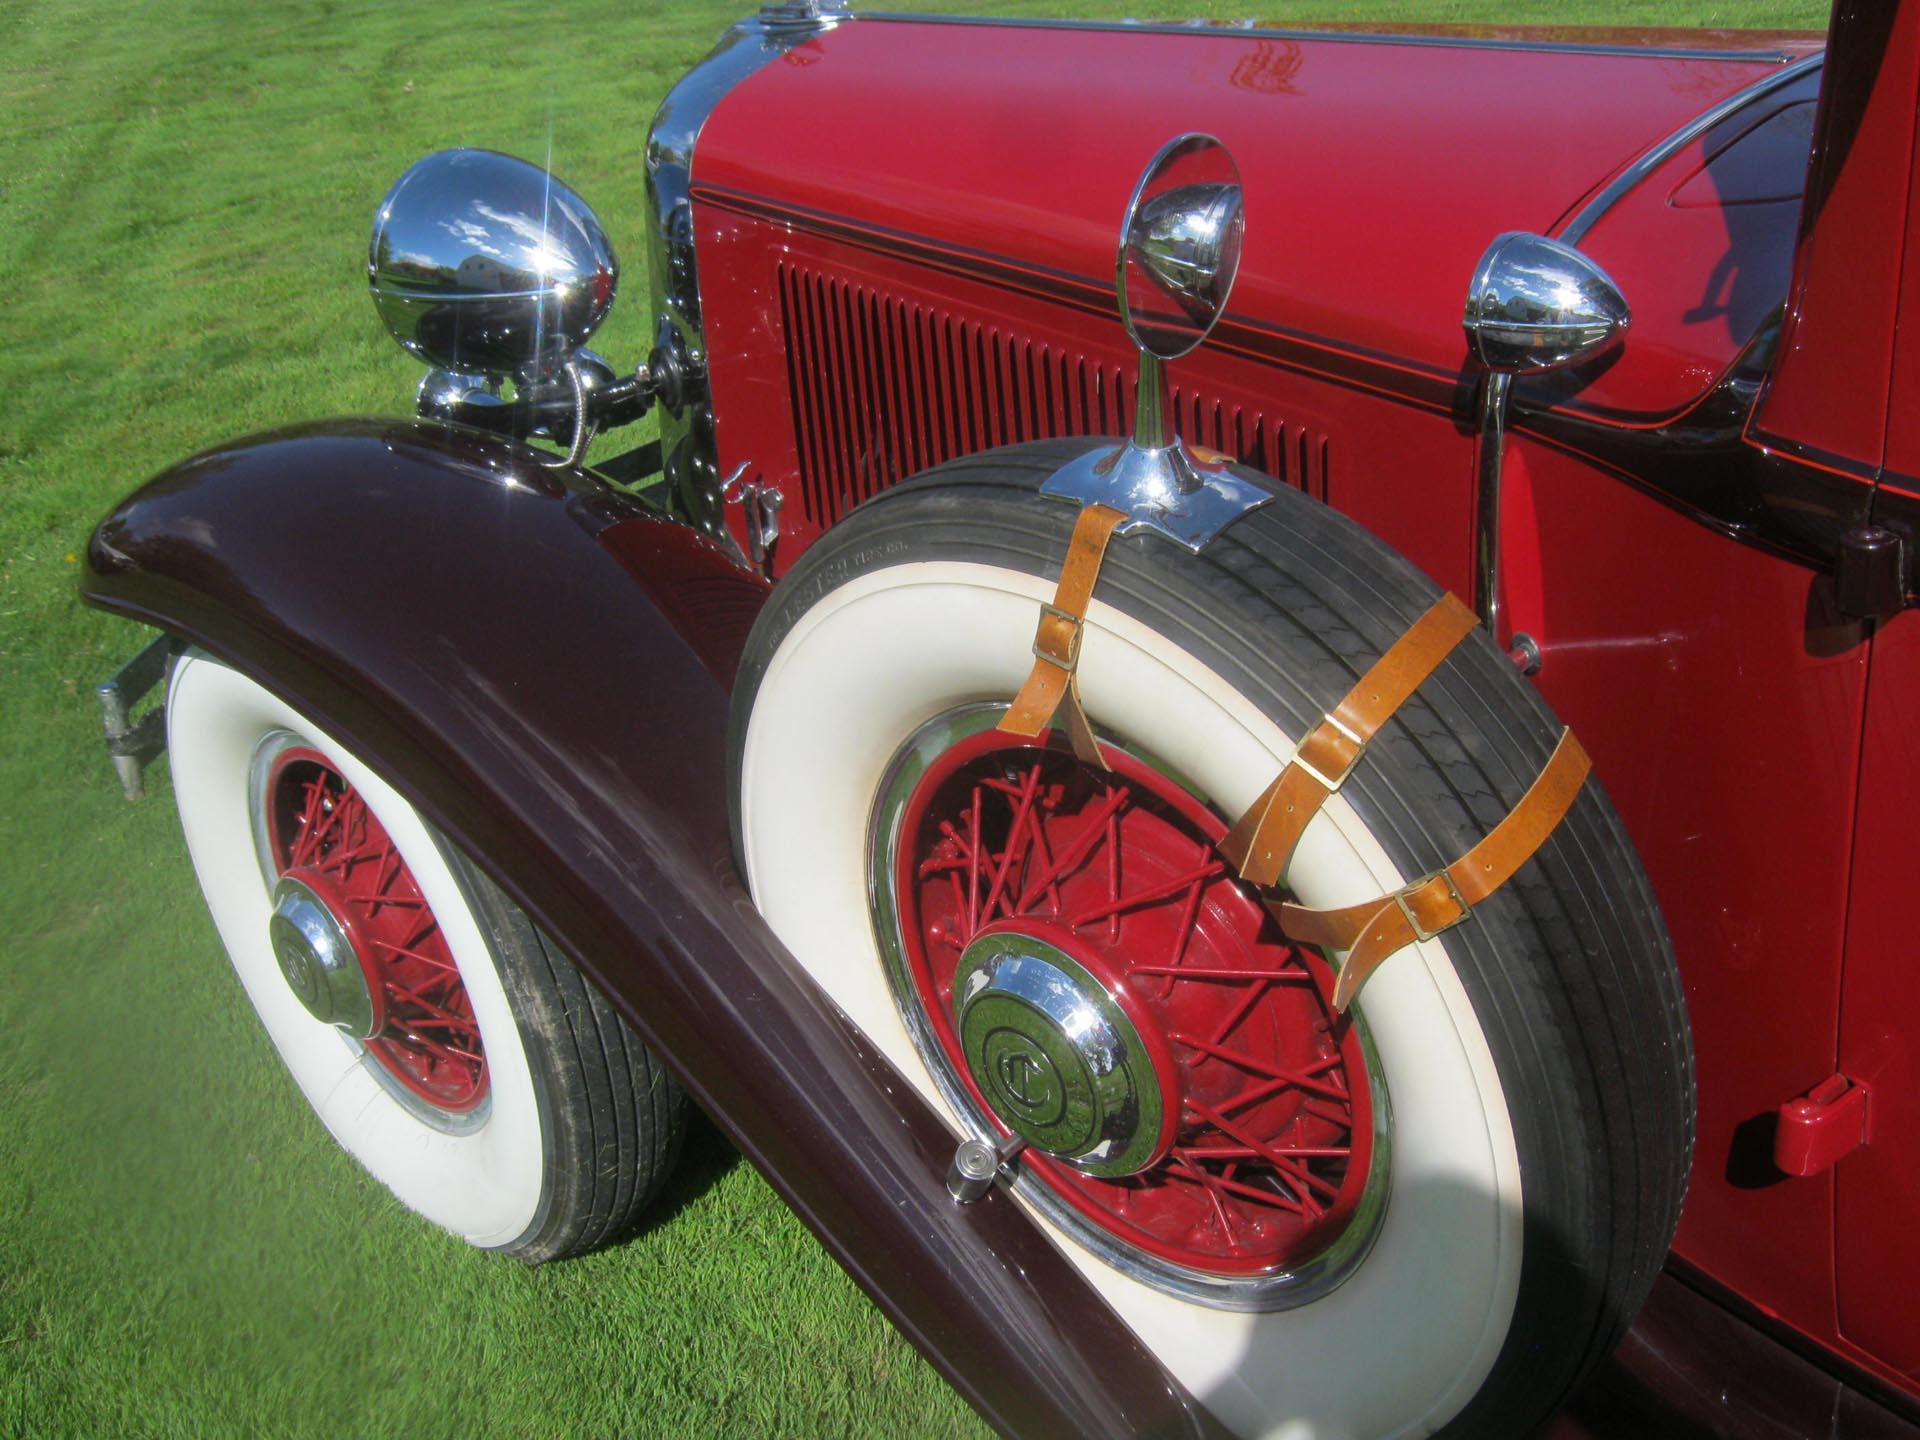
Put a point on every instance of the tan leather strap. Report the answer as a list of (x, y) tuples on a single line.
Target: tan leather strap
[(1371, 932), (1052, 686), (1262, 841)]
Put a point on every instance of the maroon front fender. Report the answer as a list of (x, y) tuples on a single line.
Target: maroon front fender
[(541, 664)]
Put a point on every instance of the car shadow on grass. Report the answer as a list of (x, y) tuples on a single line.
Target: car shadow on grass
[(706, 1158)]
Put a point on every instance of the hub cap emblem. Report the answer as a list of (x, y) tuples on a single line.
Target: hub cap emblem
[(1025, 1077), (1056, 1057)]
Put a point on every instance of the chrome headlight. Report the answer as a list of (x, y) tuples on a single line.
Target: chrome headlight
[(484, 264)]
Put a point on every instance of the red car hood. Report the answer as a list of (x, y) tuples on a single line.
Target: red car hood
[(1376, 169)]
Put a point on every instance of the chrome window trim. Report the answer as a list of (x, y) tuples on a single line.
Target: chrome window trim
[(1652, 159)]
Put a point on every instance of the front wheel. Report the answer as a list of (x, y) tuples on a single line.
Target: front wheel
[(438, 1034), (1437, 1212)]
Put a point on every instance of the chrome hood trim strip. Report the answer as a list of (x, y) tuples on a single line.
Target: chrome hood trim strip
[(1761, 55)]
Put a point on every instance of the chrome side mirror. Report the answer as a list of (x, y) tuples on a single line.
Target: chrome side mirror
[(484, 264), (1536, 304), (1180, 246), (1179, 254)]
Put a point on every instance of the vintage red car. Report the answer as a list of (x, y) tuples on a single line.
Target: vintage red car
[(1181, 960)]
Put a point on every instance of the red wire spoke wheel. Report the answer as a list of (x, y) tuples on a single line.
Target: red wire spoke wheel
[(1259, 1147), (443, 1040), (417, 1020)]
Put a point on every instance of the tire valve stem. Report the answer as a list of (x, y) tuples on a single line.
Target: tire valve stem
[(976, 1163)]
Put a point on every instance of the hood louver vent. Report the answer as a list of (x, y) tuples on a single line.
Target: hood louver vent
[(883, 388)]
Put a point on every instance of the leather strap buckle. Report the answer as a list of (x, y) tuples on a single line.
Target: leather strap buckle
[(1261, 843), (1076, 627), (1403, 897), (1051, 693), (1331, 783), (1371, 931)]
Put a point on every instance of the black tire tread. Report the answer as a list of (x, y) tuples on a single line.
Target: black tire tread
[(612, 1114)]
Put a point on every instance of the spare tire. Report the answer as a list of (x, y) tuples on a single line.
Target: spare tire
[(1435, 1214)]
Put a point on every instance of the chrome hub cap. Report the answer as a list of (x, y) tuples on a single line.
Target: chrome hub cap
[(1056, 1057), (319, 961)]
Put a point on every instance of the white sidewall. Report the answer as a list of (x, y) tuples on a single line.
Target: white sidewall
[(1409, 1338), (484, 1183)]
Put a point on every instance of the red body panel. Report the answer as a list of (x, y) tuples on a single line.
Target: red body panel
[(1828, 398), (1367, 166), (898, 367), (1727, 730), (941, 286), (1877, 1247)]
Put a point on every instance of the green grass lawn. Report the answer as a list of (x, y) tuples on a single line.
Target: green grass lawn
[(184, 199)]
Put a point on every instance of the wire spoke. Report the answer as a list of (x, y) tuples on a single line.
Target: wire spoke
[(1113, 880), (1021, 815), (413, 997), (1256, 992), (1266, 1089), (1045, 852), (1116, 903), (1182, 1169), (1183, 931), (975, 844), (1247, 1152), (417, 1042), (1339, 1113), (1212, 1183), (1302, 1178), (1214, 972), (1301, 1079), (1083, 845), (446, 965)]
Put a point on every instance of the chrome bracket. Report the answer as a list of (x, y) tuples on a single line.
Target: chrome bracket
[(760, 504), (134, 744), (1155, 479), (1489, 463), (1185, 496)]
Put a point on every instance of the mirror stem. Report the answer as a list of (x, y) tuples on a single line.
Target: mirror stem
[(1491, 448), (1153, 406)]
